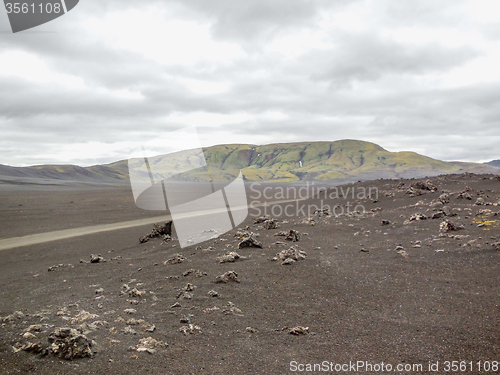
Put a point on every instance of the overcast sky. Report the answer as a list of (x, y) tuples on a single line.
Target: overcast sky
[(92, 85)]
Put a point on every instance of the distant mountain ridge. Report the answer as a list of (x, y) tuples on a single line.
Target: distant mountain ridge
[(495, 163), (62, 175), (339, 161)]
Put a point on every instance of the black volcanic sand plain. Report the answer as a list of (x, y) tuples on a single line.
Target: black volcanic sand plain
[(401, 292)]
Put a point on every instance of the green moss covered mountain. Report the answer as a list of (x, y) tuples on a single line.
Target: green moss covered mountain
[(344, 160), (324, 161)]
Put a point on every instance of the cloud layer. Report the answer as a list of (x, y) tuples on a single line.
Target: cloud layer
[(92, 85)]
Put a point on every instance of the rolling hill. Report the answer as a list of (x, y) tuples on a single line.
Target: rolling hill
[(495, 163), (338, 161)]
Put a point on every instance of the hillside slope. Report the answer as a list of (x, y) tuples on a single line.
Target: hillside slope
[(344, 160), (495, 163), (62, 175)]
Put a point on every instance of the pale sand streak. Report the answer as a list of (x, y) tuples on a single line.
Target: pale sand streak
[(33, 239)]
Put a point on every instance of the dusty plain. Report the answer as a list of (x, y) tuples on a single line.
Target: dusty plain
[(395, 292)]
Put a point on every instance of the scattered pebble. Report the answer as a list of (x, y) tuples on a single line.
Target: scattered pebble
[(299, 330), (226, 277), (189, 329)]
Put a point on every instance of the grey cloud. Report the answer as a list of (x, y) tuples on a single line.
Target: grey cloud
[(368, 57), (246, 21), (429, 13), (365, 87)]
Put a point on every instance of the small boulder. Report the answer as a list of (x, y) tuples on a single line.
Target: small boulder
[(68, 343), (149, 345), (292, 253), (270, 224), (291, 235), (444, 198), (448, 226), (96, 258), (249, 241), (176, 259), (299, 330), (464, 195), (226, 277), (213, 293), (261, 219), (190, 329), (438, 215), (417, 217), (229, 257), (479, 202)]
